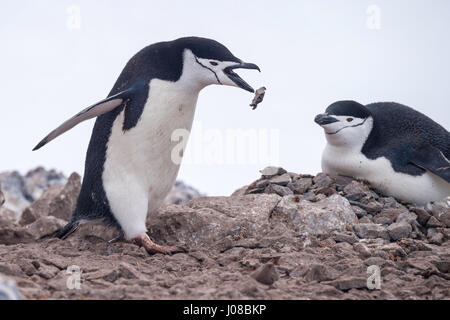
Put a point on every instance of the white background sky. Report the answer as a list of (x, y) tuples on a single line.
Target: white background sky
[(312, 53)]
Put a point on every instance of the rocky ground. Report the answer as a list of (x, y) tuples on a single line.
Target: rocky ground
[(285, 236)]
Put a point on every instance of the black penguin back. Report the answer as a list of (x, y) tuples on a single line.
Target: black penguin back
[(401, 128)]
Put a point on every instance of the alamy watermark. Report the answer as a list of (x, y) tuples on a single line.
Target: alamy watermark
[(73, 21), (74, 279), (373, 21), (226, 147), (374, 279)]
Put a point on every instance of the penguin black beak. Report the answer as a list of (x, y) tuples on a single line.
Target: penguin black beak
[(324, 119), (236, 78)]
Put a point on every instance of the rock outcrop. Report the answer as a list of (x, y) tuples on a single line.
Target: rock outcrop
[(284, 236)]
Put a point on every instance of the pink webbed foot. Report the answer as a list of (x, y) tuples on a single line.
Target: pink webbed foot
[(153, 248)]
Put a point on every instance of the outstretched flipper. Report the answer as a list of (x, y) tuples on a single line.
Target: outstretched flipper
[(432, 159), (95, 110)]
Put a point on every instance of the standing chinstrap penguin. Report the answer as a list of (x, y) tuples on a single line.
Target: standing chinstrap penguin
[(129, 169), (400, 151)]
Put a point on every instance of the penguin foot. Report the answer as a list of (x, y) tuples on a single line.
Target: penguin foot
[(153, 248)]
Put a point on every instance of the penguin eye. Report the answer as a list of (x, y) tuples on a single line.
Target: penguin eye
[(349, 119), (213, 63)]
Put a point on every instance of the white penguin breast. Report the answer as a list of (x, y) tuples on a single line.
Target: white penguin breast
[(138, 161), (380, 173)]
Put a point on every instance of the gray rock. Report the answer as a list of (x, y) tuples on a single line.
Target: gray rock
[(411, 245), (365, 219), (97, 230), (446, 233), (301, 186), (373, 207), (308, 218), (266, 274), (269, 172), (437, 238), (182, 193), (399, 230), (45, 226), (63, 205), (407, 217), (326, 191), (359, 211), (433, 222), (323, 180), (58, 201), (390, 202), (387, 216), (356, 191), (362, 249), (205, 221), (370, 231), (348, 237), (294, 176), (422, 215), (242, 191), (342, 181), (393, 249), (309, 196), (442, 265), (431, 232), (441, 211), (281, 180), (279, 190), (40, 207), (11, 233), (320, 272), (347, 283), (375, 261), (256, 191), (262, 183)]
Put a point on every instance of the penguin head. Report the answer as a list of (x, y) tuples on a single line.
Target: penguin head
[(207, 62), (346, 123)]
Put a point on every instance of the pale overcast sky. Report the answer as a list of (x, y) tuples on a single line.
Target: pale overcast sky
[(311, 53)]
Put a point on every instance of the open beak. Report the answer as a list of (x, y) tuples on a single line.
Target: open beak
[(324, 119), (236, 78)]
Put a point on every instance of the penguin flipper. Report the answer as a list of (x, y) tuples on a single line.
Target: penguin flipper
[(95, 110), (432, 159)]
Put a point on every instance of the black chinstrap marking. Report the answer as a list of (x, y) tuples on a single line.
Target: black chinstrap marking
[(356, 125), (217, 78)]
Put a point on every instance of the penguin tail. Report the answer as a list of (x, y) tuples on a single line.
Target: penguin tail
[(63, 233)]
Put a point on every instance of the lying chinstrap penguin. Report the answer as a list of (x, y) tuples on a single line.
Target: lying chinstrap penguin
[(129, 169), (400, 151)]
